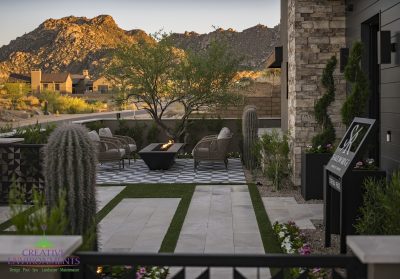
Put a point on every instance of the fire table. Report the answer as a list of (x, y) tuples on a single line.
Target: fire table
[(160, 156)]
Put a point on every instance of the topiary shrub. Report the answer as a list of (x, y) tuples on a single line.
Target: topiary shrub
[(250, 136), (356, 101), (327, 135), (70, 167)]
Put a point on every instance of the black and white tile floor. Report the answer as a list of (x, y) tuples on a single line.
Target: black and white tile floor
[(181, 172)]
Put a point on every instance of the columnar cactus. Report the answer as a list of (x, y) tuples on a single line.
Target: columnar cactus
[(250, 135), (70, 167)]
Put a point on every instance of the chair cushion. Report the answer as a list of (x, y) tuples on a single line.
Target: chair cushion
[(224, 133), (105, 132), (202, 150), (132, 147), (115, 151), (94, 136)]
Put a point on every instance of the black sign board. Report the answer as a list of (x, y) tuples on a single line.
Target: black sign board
[(349, 148)]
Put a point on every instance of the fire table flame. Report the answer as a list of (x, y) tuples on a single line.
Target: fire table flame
[(167, 145)]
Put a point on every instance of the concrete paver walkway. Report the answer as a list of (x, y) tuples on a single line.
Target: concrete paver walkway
[(284, 209), (137, 225), (105, 194), (221, 219)]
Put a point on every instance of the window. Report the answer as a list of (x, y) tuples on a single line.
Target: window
[(45, 86), (57, 87), (103, 88)]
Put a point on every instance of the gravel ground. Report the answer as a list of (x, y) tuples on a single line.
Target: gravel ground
[(314, 237)]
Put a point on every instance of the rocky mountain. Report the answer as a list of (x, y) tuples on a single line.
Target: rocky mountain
[(67, 44), (76, 43), (253, 44)]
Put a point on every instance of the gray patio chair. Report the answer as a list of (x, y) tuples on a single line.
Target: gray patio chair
[(213, 148), (108, 150), (127, 143)]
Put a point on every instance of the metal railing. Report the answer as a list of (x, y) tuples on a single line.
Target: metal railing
[(21, 164), (349, 266)]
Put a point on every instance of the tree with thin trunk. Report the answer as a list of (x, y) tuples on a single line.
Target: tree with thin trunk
[(157, 74)]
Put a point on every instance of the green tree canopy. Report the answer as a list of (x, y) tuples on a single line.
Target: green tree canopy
[(159, 75)]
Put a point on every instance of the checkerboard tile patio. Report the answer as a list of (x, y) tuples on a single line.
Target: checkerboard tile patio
[(181, 172)]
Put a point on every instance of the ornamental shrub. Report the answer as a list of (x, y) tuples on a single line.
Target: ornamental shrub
[(275, 156), (327, 135), (356, 101), (380, 213)]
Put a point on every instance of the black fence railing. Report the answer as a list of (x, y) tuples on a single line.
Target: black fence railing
[(338, 266), (21, 164)]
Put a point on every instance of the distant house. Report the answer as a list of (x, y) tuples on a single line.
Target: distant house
[(81, 84), (57, 82), (102, 85), (64, 83)]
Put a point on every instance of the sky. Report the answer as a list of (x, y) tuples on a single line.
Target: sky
[(22, 16)]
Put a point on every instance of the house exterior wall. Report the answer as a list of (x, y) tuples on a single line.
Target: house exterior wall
[(99, 82), (389, 84), (36, 77), (65, 87), (316, 31)]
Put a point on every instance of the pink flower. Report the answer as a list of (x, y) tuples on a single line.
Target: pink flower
[(305, 249), (359, 164), (138, 275), (329, 146), (316, 270), (142, 270)]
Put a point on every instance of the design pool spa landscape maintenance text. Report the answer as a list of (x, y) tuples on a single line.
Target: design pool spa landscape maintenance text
[(43, 258)]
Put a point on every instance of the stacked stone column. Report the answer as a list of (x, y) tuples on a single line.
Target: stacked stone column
[(316, 31)]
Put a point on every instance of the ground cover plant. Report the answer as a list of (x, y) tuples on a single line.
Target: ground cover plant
[(380, 213), (292, 241)]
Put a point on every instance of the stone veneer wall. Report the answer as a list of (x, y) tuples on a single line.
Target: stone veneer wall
[(316, 31)]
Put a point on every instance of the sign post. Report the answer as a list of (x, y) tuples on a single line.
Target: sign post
[(342, 185)]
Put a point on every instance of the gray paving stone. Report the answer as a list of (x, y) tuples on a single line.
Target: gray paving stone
[(221, 219), (105, 194), (285, 209), (137, 225), (5, 212)]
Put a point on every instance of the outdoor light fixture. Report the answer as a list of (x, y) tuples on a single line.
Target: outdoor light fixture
[(344, 56), (389, 136), (384, 47), (396, 48)]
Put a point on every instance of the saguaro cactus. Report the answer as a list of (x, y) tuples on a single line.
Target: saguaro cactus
[(250, 134), (70, 167)]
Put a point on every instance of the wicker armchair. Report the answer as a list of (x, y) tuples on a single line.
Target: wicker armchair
[(213, 148), (126, 142), (108, 150)]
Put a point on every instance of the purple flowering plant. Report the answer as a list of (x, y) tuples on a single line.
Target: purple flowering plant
[(367, 164), (141, 272), (327, 148), (293, 241)]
